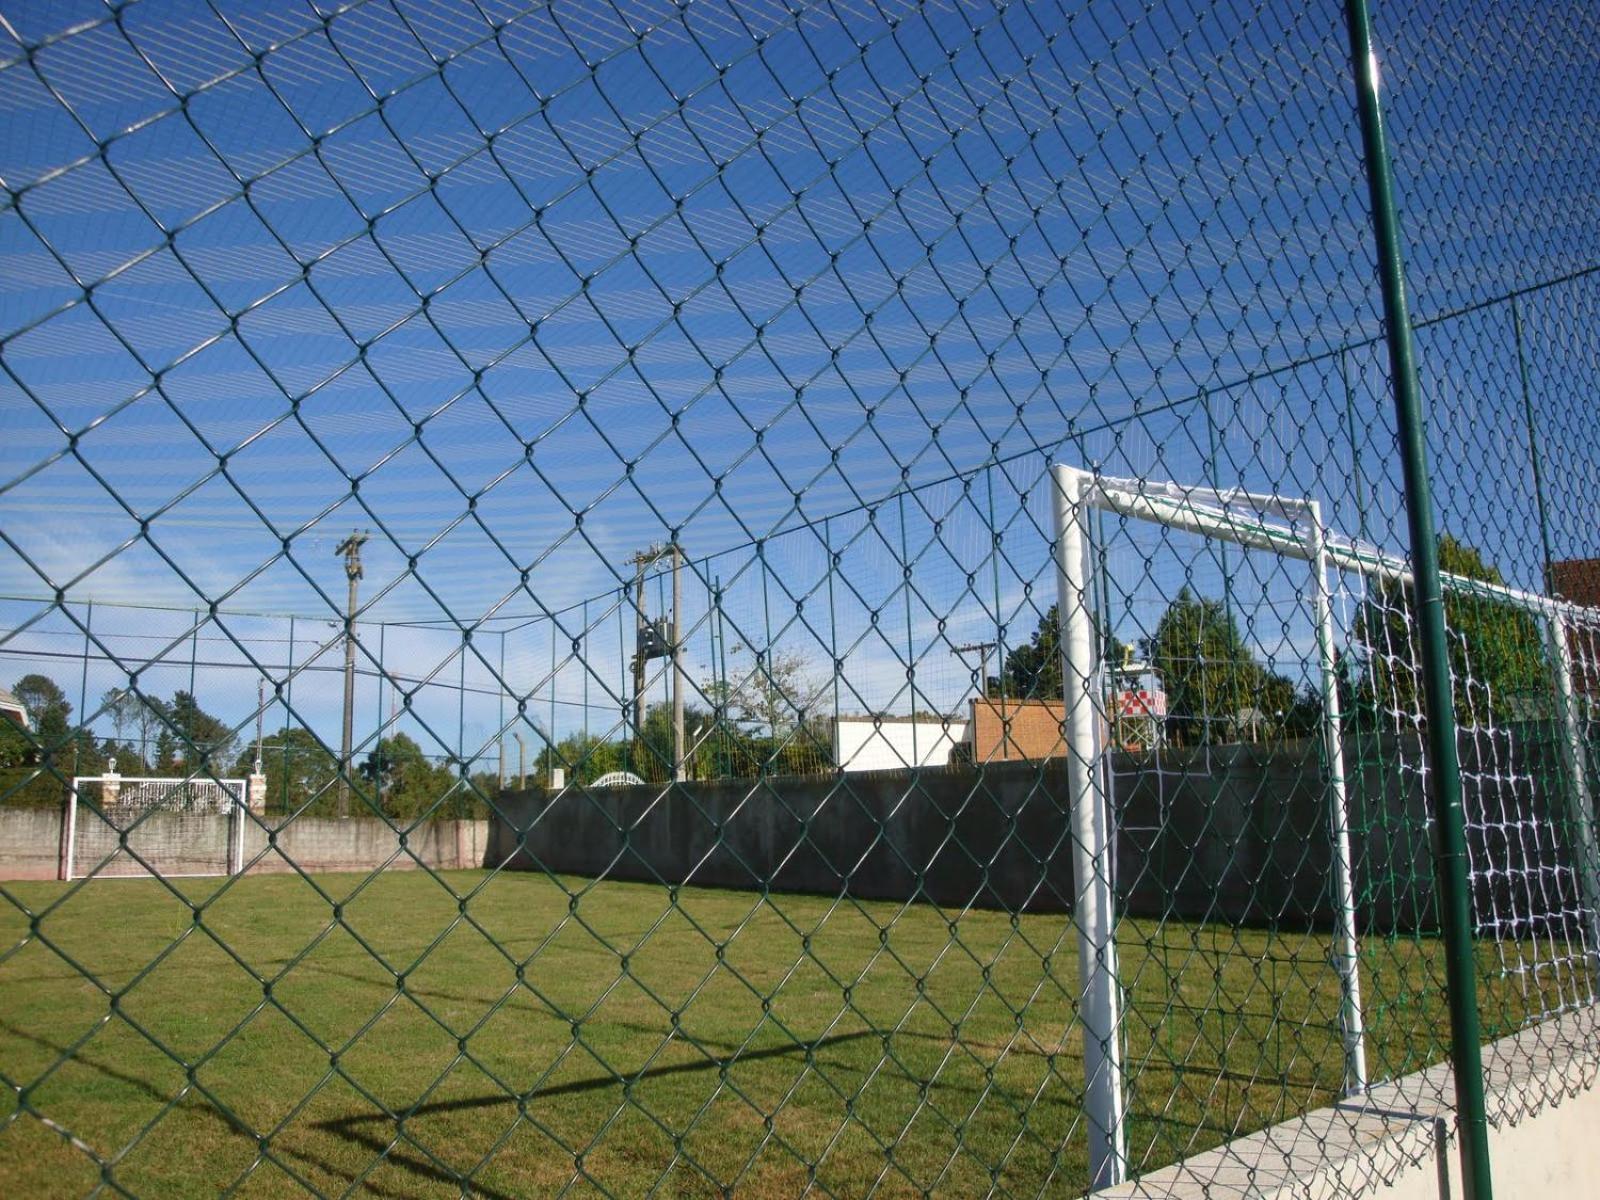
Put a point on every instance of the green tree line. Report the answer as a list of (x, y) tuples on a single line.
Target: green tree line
[(1218, 692)]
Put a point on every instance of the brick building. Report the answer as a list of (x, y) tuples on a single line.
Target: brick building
[(1577, 580), (1016, 730)]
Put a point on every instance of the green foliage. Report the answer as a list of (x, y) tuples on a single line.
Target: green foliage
[(37, 764), (47, 705), (300, 772), (717, 750), (1032, 670), (192, 737), (1206, 669), (1216, 690), (403, 783), (1497, 658), (582, 757)]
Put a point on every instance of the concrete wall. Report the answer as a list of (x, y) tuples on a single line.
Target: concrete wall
[(1399, 1142), (1253, 850), (1237, 834), (894, 743), (30, 843), (197, 843)]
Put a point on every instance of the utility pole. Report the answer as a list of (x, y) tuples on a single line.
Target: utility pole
[(261, 708), (641, 623), (659, 639), (981, 649), (350, 551), (679, 759), (522, 761)]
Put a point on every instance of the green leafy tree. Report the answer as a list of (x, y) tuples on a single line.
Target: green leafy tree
[(300, 771), (48, 708), (653, 752), (1207, 672), (1032, 669), (583, 758), (1497, 659), (190, 736), (405, 784), (36, 763)]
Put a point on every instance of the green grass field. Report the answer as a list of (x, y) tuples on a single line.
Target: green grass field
[(511, 1035)]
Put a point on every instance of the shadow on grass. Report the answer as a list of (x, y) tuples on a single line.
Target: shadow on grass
[(356, 1129), (376, 1132)]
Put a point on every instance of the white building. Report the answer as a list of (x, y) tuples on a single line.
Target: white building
[(865, 743), (11, 708)]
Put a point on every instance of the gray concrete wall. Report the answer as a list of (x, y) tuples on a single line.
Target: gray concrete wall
[(363, 843), (30, 843), (1399, 1142), (1235, 833), (197, 843)]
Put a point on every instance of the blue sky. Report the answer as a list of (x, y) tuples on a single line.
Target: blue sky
[(524, 288)]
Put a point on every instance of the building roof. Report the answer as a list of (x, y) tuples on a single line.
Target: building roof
[(11, 707)]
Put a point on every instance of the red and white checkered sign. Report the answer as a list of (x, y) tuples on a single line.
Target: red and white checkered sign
[(1141, 702)]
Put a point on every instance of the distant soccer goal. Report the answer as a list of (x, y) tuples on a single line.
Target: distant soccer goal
[(124, 825), (1270, 635)]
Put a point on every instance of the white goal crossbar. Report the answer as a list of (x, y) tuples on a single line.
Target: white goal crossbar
[(124, 804), (1293, 529)]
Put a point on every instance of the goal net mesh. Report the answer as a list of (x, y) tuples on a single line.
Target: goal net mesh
[(166, 826), (1523, 689), (1223, 711)]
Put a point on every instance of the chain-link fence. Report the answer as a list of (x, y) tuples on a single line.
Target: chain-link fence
[(851, 598)]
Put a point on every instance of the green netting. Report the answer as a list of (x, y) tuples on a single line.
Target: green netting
[(669, 598)]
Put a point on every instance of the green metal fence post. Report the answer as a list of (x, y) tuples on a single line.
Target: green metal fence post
[(1450, 854), (1533, 447)]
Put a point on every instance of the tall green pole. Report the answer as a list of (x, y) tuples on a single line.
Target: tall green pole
[(1533, 446), (995, 537), (1355, 446), (1450, 855)]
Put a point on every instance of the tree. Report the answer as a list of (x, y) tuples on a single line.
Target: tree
[(1497, 658), (136, 715), (300, 771), (1206, 670), (1032, 670), (583, 758), (40, 761), (193, 737), (405, 784), (47, 706), (776, 693), (653, 757)]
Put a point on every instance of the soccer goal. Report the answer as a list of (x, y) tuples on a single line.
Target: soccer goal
[(124, 825), (1310, 641)]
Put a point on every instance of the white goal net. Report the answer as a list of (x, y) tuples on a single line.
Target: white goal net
[(1243, 692), (121, 825)]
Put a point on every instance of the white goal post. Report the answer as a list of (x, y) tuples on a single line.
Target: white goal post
[(1293, 529), (118, 826)]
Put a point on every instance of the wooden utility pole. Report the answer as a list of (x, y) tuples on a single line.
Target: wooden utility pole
[(679, 765), (658, 641), (981, 649), (350, 551), (640, 561)]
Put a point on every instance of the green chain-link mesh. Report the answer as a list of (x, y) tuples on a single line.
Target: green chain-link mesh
[(708, 598)]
